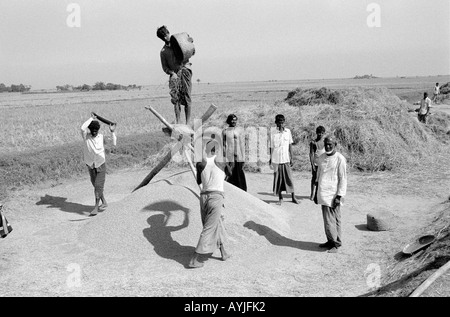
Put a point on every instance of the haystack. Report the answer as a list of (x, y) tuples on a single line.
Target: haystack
[(373, 127), (163, 219)]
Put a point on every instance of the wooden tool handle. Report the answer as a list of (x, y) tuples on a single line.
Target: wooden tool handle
[(105, 121), (164, 121), (166, 159)]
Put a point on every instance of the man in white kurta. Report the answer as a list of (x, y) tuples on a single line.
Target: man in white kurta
[(331, 188), (94, 158)]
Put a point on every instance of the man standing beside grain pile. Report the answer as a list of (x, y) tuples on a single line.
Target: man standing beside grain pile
[(211, 174), (94, 158), (178, 67), (281, 159), (331, 185)]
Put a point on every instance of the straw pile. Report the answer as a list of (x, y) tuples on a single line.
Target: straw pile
[(373, 127), (164, 218)]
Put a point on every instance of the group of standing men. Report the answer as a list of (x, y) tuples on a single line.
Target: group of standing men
[(329, 178), (328, 183)]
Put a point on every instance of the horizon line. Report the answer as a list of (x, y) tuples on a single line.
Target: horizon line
[(251, 81)]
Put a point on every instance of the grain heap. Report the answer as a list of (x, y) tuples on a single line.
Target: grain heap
[(164, 218)]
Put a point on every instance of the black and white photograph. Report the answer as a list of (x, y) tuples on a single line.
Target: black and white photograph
[(225, 154)]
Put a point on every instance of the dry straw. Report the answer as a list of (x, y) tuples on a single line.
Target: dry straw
[(374, 129)]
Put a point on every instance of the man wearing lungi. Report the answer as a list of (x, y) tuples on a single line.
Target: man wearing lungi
[(281, 159), (234, 152), (331, 188), (94, 158), (180, 81), (211, 174)]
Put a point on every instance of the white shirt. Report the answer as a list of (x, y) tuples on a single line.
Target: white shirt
[(93, 149), (279, 142), (331, 178), (424, 106), (436, 90)]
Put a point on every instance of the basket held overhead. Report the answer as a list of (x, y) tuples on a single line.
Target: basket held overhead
[(183, 46)]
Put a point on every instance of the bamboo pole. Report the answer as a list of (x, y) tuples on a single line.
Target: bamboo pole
[(166, 159), (430, 280)]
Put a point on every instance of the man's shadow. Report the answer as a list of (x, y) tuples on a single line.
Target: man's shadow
[(62, 204), (286, 197), (160, 235), (276, 239), (362, 227)]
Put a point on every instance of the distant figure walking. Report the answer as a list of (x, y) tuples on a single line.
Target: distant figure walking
[(211, 174), (281, 159), (94, 158), (331, 188), (234, 152), (180, 80), (436, 93), (424, 108), (316, 148)]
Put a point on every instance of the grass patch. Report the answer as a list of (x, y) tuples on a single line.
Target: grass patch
[(66, 161)]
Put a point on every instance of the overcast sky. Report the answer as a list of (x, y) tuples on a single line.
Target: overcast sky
[(235, 40)]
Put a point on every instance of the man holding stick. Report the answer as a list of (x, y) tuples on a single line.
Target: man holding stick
[(94, 158), (211, 174)]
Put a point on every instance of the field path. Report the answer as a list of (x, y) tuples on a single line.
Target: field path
[(45, 255)]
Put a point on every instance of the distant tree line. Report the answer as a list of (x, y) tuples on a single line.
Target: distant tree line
[(14, 88), (97, 86), (364, 77)]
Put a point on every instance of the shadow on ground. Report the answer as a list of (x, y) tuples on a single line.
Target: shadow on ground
[(159, 234), (286, 198), (276, 239), (62, 204), (362, 227)]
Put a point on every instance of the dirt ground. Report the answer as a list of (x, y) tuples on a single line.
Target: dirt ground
[(45, 255)]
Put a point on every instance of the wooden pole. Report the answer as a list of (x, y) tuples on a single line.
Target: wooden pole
[(166, 159), (105, 121), (187, 152), (164, 121), (430, 280)]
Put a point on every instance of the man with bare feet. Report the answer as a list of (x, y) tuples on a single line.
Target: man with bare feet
[(94, 158), (331, 185), (211, 175), (281, 159), (316, 149)]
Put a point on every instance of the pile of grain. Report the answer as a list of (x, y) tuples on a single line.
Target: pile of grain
[(164, 218)]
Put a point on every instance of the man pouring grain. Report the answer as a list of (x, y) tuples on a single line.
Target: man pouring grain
[(94, 158), (331, 185), (178, 67)]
